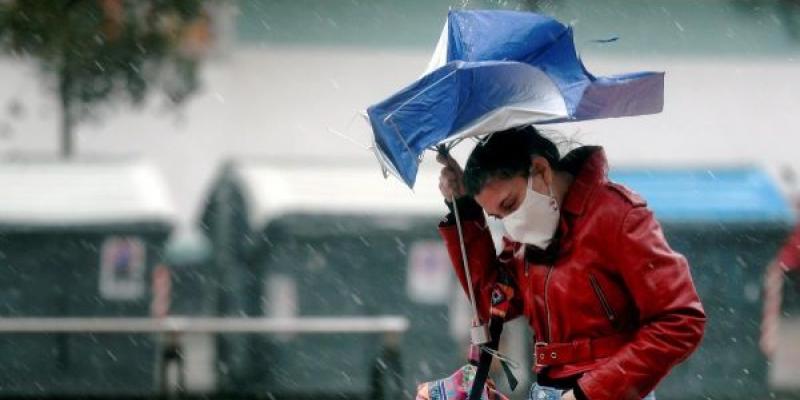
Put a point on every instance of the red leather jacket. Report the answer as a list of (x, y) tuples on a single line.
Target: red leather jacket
[(789, 255), (616, 309)]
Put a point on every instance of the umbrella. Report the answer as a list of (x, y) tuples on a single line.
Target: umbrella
[(495, 70)]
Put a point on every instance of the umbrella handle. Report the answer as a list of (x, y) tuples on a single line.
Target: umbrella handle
[(479, 333)]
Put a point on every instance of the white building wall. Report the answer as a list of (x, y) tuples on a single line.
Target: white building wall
[(280, 102)]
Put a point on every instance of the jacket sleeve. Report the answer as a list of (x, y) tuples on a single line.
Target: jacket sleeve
[(789, 255), (671, 318), (484, 264)]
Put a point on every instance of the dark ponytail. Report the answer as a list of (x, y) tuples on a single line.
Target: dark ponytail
[(507, 154)]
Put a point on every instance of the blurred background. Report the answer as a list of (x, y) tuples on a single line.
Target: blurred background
[(206, 163)]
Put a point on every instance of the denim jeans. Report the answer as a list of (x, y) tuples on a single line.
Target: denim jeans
[(548, 393)]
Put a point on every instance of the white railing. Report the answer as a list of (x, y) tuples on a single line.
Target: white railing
[(308, 325)]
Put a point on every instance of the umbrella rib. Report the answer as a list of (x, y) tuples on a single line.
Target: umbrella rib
[(348, 138), (400, 135), (449, 145), (421, 92), (454, 143)]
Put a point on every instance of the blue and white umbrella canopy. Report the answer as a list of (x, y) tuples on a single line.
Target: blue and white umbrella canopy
[(495, 70)]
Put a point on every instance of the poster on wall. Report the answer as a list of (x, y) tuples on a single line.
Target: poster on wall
[(430, 277), (122, 268)]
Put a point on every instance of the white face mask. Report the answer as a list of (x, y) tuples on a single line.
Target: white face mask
[(535, 221)]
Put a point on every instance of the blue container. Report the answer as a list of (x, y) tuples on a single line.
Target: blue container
[(729, 223)]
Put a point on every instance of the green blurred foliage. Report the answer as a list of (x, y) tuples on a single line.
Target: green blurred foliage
[(100, 50)]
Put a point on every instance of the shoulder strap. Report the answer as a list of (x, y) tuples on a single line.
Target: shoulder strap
[(502, 294), (485, 359)]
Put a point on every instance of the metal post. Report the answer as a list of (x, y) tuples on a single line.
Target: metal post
[(386, 376), (172, 354)]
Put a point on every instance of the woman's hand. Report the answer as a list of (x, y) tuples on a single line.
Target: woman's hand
[(451, 179), (568, 396)]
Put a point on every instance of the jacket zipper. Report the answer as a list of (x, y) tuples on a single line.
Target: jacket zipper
[(546, 306), (598, 291)]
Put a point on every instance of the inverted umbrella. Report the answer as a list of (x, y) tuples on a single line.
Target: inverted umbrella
[(495, 70), (491, 71)]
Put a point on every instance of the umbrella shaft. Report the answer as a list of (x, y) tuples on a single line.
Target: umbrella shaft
[(464, 261)]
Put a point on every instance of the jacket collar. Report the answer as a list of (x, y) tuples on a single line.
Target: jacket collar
[(589, 166)]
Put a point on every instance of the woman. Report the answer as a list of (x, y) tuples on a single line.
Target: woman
[(613, 308)]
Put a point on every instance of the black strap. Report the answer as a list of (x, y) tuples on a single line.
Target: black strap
[(512, 380), (485, 359)]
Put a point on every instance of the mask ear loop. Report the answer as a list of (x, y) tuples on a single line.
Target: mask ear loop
[(553, 201), (530, 179)]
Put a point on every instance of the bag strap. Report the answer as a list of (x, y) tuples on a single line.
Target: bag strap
[(502, 293), (485, 359)]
